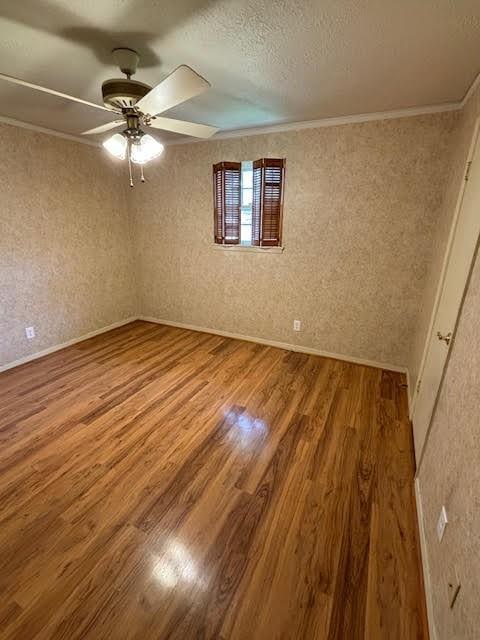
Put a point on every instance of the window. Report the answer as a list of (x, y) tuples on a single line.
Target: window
[(248, 202)]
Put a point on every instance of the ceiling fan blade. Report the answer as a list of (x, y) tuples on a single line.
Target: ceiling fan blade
[(180, 126), (104, 127), (182, 84), (52, 92)]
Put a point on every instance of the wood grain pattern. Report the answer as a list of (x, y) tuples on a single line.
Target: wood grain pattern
[(161, 483)]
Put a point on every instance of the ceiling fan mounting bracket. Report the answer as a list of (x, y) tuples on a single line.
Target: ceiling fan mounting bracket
[(127, 59)]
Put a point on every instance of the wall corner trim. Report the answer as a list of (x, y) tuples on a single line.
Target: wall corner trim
[(279, 345), (63, 345), (424, 555)]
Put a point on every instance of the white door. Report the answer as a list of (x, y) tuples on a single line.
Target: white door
[(460, 254)]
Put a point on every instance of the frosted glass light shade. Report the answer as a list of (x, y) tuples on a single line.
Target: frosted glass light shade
[(116, 145), (146, 149)]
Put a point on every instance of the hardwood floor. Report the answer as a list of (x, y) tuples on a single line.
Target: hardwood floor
[(160, 483)]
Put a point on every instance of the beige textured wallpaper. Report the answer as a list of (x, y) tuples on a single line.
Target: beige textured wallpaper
[(361, 206), (450, 475), (66, 259), (450, 470)]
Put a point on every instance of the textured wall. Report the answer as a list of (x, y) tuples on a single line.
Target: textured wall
[(65, 242), (450, 475), (450, 469), (361, 205)]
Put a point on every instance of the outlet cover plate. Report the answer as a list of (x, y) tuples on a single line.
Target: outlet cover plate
[(297, 325), (30, 332)]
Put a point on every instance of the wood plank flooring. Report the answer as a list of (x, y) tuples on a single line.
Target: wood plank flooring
[(160, 483)]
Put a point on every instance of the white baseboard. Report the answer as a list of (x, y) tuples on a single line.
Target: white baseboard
[(426, 571), (219, 332), (69, 343), (279, 345)]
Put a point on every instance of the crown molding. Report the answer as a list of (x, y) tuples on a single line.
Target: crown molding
[(327, 122), (51, 132), (274, 128), (473, 87)]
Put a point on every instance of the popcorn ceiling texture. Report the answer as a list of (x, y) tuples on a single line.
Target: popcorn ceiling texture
[(268, 61), (66, 260), (450, 469), (361, 205)]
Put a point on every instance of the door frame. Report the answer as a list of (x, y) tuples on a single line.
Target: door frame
[(475, 139)]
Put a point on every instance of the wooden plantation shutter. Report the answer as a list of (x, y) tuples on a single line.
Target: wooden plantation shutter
[(267, 205), (226, 202)]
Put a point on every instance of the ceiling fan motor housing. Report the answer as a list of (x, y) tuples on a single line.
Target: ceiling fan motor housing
[(122, 93)]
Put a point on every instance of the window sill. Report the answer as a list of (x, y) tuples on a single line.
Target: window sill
[(247, 248)]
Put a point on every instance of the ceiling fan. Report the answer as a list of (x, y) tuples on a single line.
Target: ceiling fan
[(139, 105)]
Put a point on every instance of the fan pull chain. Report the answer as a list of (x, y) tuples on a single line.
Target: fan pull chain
[(142, 177), (129, 163)]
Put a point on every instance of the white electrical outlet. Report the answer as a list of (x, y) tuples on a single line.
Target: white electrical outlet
[(30, 332), (441, 523), (297, 325)]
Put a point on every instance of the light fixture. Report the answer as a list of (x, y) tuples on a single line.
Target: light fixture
[(116, 145), (146, 149), (135, 145)]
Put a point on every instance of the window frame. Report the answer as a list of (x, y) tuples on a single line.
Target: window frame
[(233, 213), (247, 166)]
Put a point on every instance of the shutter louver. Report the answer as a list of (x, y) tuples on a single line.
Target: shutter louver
[(226, 202), (267, 207), (218, 203)]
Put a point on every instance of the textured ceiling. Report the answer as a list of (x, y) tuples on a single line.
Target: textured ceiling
[(268, 61)]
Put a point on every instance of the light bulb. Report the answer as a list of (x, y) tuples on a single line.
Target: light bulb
[(116, 145), (146, 149)]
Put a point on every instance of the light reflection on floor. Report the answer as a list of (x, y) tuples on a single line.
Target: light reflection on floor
[(175, 566), (246, 430)]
